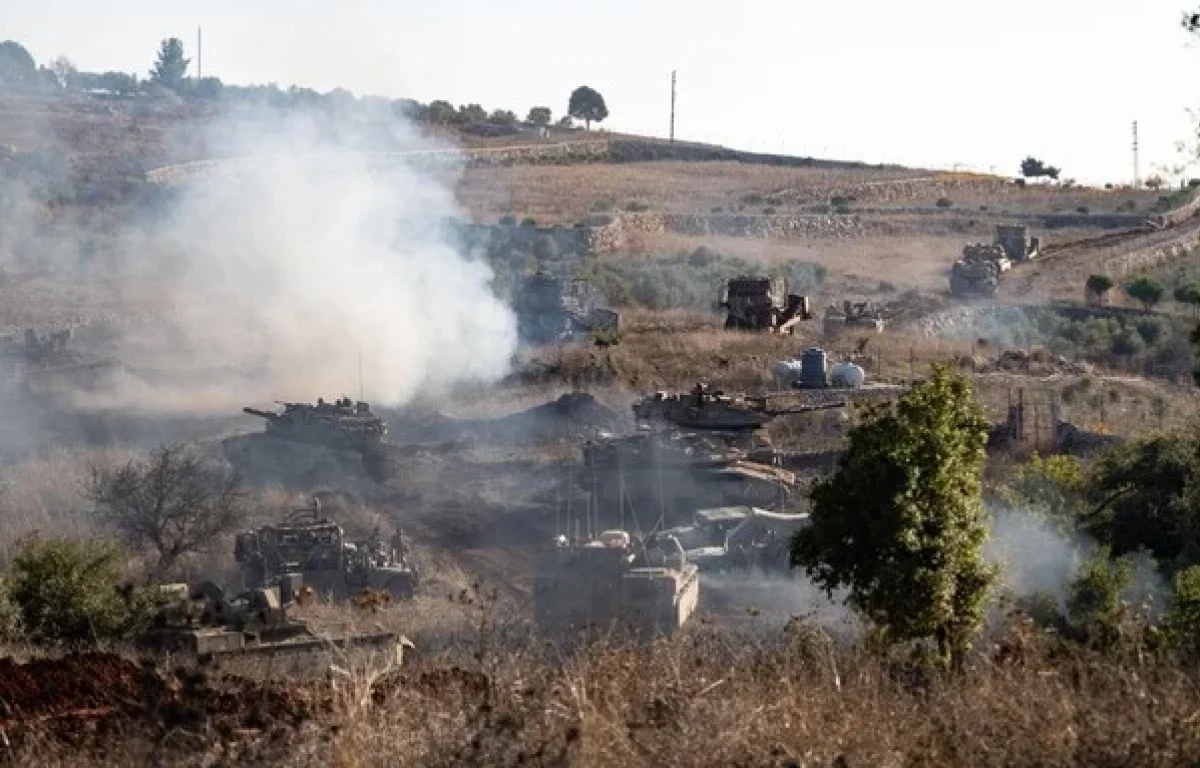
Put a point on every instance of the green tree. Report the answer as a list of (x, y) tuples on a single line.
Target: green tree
[(472, 113), (587, 104), (502, 117), (1053, 487), (901, 523), (1097, 287), (1188, 292), (1146, 290), (1032, 168), (170, 67), (67, 591), (440, 112), (1095, 612), (1146, 495), (539, 116), (17, 67), (1182, 621)]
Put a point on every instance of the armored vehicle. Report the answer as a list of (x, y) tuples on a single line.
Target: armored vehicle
[(759, 539), (316, 550), (704, 410), (651, 475), (611, 583), (551, 310), (322, 443), (46, 364), (978, 272), (1017, 244), (762, 303), (852, 316), (204, 623)]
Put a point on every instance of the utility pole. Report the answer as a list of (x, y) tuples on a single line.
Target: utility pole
[(199, 56), (1136, 169), (672, 106)]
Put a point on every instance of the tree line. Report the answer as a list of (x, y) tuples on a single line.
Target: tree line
[(169, 75)]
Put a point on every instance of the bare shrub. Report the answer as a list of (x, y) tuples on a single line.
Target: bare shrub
[(172, 504)]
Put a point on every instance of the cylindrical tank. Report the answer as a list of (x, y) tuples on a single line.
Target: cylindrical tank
[(847, 375), (812, 368), (786, 372)]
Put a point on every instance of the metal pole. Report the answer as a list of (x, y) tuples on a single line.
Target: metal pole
[(672, 106), (199, 55), (1136, 169)]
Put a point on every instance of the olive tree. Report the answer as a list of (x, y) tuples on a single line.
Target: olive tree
[(1097, 287), (901, 524)]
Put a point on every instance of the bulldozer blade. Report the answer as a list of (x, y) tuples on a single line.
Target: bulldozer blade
[(375, 640)]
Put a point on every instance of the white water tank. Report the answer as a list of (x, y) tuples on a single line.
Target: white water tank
[(847, 375)]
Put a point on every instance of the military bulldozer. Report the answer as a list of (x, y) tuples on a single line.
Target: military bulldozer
[(1017, 244), (978, 272), (613, 584), (202, 622), (323, 442), (861, 316), (741, 538), (315, 550), (553, 310), (762, 304)]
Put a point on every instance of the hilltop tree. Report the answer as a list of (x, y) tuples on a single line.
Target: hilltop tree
[(170, 67), (440, 112), (17, 67), (587, 105), (1032, 168), (1097, 287), (539, 116), (901, 522), (502, 117), (1146, 290), (472, 113)]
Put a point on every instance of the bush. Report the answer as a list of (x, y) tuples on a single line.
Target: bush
[(1082, 209), (10, 617), (1182, 622), (66, 591), (508, 220), (1127, 342), (528, 221), (944, 202), (636, 206), (768, 211), (752, 198), (1152, 330)]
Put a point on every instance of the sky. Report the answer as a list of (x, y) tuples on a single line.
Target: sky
[(930, 83)]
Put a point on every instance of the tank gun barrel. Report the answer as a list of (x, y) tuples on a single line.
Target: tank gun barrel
[(263, 414), (807, 408)]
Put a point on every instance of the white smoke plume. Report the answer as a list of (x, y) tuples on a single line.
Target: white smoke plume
[(288, 280)]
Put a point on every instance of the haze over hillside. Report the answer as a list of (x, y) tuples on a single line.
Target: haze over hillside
[(927, 84)]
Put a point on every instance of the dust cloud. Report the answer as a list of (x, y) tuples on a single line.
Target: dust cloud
[(310, 271)]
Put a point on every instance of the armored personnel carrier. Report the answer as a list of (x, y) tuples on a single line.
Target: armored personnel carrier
[(758, 303), (704, 410), (550, 309), (316, 550), (322, 443), (610, 583), (978, 272)]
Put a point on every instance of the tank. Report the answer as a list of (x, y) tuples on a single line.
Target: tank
[(320, 443), (978, 272), (847, 375), (812, 369), (704, 410)]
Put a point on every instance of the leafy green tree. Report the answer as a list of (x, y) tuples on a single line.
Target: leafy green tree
[(502, 117), (17, 67), (472, 113), (170, 67), (901, 523), (1182, 621), (68, 591), (1188, 292), (1031, 168), (1146, 290), (440, 112), (1053, 487), (539, 116), (587, 104), (1146, 495), (1097, 287), (1095, 612)]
